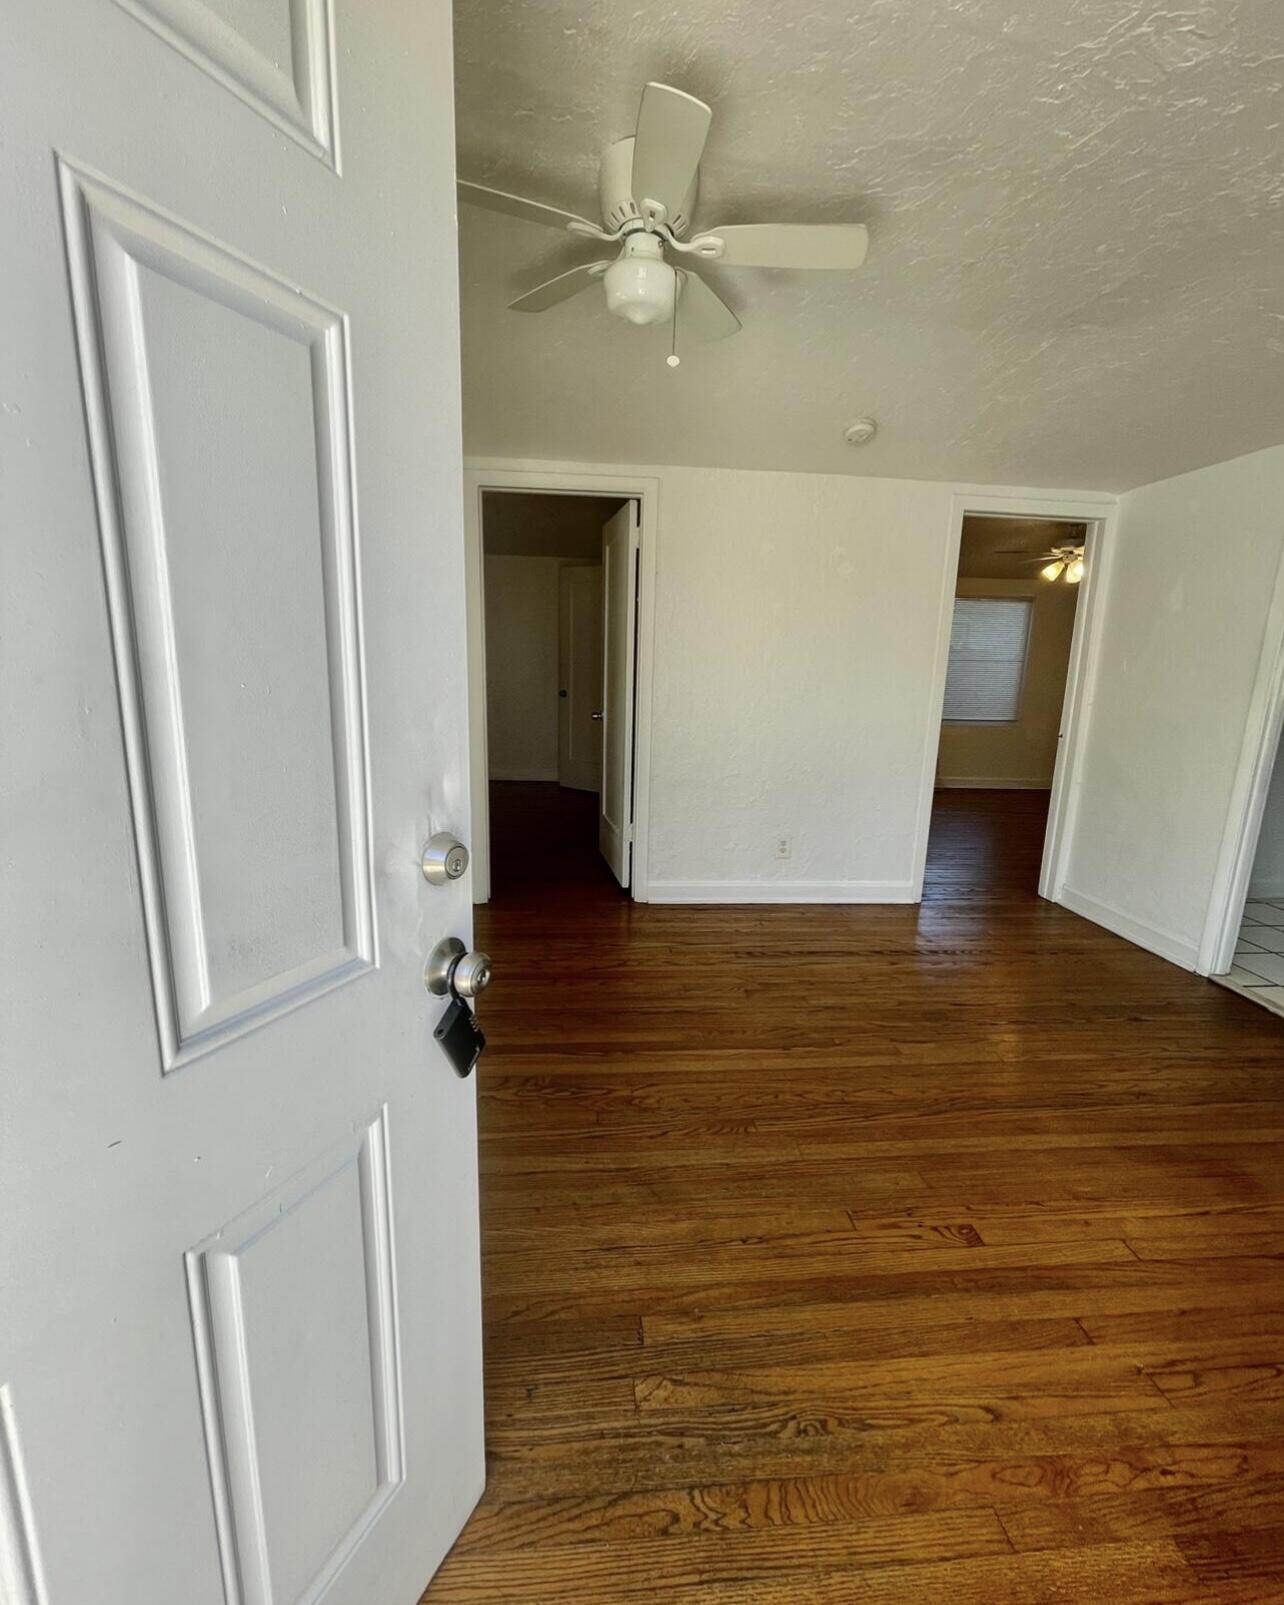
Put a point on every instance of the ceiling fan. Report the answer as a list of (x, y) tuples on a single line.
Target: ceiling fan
[(648, 185), (1060, 562)]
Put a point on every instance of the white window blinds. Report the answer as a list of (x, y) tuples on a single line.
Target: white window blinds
[(987, 659)]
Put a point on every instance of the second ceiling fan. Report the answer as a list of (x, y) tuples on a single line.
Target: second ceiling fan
[(648, 185)]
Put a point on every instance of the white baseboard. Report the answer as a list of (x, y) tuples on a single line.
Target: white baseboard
[(980, 783), (1173, 948), (781, 892)]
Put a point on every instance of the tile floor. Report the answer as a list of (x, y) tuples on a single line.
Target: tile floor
[(1258, 970)]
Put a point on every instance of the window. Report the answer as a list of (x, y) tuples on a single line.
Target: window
[(987, 659)]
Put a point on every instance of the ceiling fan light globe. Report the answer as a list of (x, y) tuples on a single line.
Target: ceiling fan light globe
[(1052, 571), (1074, 571), (641, 289)]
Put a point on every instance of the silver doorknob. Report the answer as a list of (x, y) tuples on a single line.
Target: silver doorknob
[(597, 716), (452, 969), (444, 859)]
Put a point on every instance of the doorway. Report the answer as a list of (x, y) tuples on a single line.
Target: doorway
[(1257, 963), (1012, 631), (556, 576), (1240, 925), (1250, 959)]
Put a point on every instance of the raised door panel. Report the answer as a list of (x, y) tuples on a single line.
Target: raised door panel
[(21, 1574), (217, 400), (275, 55), (294, 1312)]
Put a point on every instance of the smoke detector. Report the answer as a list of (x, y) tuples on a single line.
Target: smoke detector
[(861, 432)]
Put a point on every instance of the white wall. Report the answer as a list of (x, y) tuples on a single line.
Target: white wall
[(796, 628), (1024, 751), (521, 666), (796, 631), (1183, 636), (1268, 864)]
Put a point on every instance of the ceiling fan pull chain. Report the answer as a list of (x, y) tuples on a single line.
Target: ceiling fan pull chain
[(673, 359)]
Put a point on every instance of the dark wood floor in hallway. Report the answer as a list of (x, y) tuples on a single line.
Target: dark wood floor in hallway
[(879, 1255)]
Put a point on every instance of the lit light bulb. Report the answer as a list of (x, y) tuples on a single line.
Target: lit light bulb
[(1053, 570), (1074, 571)]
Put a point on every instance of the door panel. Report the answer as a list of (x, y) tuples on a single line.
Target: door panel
[(276, 55), (218, 435), (21, 1573), (241, 1357), (619, 567), (579, 727), (297, 1351)]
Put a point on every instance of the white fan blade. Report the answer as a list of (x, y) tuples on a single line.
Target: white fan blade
[(561, 288), (671, 131), (496, 200), (792, 245), (702, 313)]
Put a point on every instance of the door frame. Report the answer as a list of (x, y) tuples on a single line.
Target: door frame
[(1098, 513), (1252, 783), (646, 491)]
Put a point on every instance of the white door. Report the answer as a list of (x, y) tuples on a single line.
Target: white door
[(579, 653), (239, 1354), (619, 565)]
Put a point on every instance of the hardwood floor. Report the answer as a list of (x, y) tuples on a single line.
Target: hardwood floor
[(886, 1255)]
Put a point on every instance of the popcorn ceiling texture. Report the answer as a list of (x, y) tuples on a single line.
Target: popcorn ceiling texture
[(1077, 206)]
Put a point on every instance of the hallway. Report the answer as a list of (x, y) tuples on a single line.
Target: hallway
[(887, 1254)]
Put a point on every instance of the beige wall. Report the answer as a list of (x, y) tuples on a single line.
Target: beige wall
[(1024, 752), (521, 667)]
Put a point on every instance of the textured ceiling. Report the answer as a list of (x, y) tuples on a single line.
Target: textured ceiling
[(1077, 269), (1012, 548)]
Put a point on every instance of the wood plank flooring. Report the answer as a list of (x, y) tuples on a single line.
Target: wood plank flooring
[(878, 1255)]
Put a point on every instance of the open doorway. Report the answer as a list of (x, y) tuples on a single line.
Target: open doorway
[(1242, 945), (558, 577), (1012, 633), (1256, 966)]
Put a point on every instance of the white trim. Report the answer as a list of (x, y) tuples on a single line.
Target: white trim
[(782, 892), (1173, 948), (1252, 782), (22, 1573), (1076, 709), (991, 783), (1098, 513), (479, 476)]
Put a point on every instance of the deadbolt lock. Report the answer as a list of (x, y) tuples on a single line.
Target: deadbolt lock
[(444, 859)]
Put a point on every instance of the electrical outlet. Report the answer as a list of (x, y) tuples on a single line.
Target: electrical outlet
[(784, 847)]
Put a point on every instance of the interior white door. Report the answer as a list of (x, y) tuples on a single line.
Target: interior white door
[(579, 652), (239, 1358), (619, 569)]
